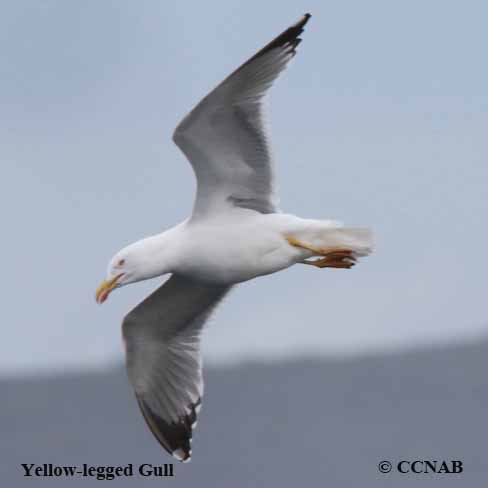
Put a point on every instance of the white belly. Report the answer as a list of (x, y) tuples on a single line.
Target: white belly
[(242, 245), (235, 250)]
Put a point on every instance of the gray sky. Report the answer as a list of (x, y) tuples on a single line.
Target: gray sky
[(381, 121)]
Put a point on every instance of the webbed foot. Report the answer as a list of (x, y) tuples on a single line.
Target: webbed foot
[(332, 257)]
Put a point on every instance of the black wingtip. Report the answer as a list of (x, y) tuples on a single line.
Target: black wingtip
[(174, 437), (301, 22), (289, 37)]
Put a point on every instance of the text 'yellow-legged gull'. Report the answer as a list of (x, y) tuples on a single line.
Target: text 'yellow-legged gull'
[(235, 233)]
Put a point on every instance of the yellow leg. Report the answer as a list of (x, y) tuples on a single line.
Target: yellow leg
[(333, 257), (318, 251)]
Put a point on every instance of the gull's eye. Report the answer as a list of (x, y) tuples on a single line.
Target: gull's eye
[(121, 262)]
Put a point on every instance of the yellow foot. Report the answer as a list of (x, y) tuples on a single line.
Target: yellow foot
[(340, 259), (332, 257)]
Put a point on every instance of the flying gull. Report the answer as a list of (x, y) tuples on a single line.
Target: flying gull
[(236, 232)]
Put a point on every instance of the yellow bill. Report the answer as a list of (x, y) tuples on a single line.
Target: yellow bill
[(103, 291)]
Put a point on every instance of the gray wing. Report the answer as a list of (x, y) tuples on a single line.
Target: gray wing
[(162, 340), (224, 139)]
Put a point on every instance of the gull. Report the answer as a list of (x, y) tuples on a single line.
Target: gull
[(236, 233)]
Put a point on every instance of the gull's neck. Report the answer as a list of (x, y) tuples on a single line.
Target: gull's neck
[(158, 254)]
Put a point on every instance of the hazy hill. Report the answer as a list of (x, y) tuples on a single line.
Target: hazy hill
[(303, 423)]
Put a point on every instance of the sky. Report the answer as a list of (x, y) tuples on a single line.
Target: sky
[(380, 121)]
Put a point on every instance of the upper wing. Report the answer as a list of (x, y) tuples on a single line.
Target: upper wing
[(223, 136), (162, 340)]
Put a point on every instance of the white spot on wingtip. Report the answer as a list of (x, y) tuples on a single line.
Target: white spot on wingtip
[(198, 408), (194, 424), (179, 454)]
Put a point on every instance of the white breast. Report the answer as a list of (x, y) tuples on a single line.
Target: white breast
[(232, 250)]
